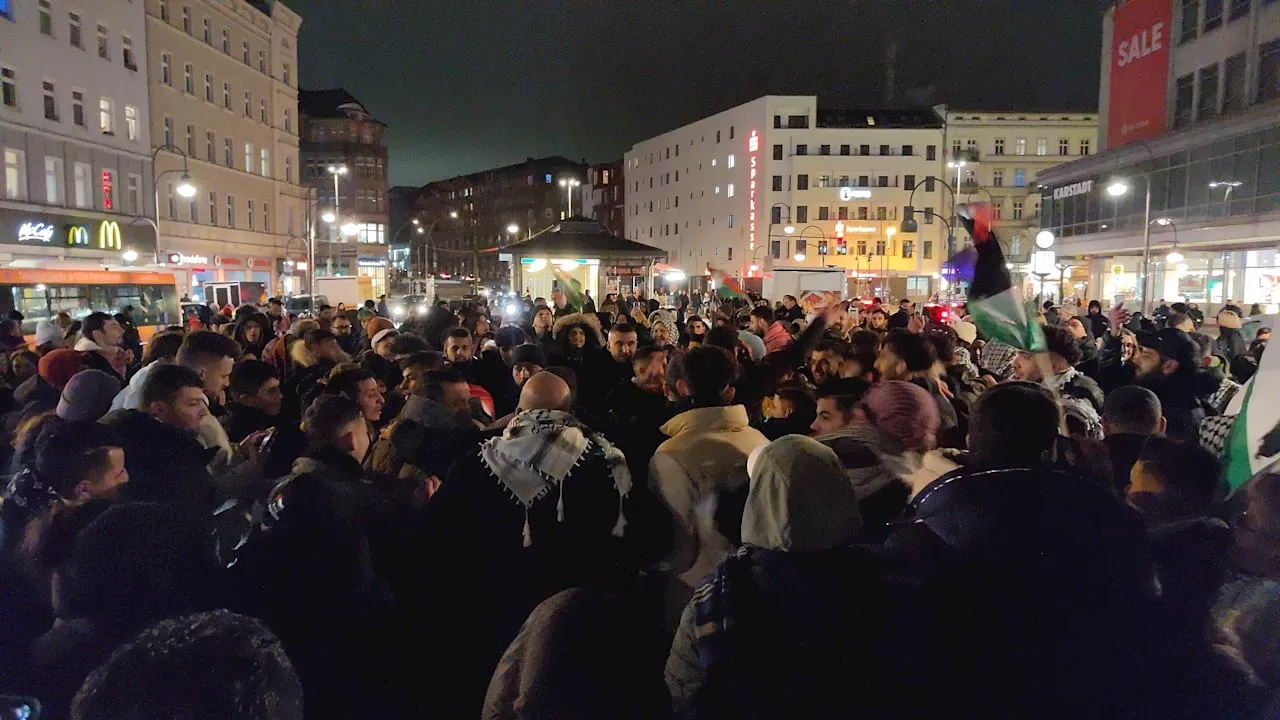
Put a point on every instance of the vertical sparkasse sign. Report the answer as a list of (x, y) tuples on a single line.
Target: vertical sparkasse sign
[(1139, 71)]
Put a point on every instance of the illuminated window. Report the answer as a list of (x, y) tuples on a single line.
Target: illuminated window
[(82, 172), (264, 164), (248, 157), (106, 116), (729, 190), (15, 171), (55, 189), (126, 47), (730, 162)]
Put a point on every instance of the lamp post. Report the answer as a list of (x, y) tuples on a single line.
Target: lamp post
[(336, 171), (1226, 198), (822, 237), (185, 188), (1116, 189), (569, 184), (909, 224)]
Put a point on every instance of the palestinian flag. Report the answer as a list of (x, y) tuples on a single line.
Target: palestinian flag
[(726, 286), (1253, 443), (572, 289), (996, 306)]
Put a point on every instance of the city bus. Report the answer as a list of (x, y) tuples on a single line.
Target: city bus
[(39, 294)]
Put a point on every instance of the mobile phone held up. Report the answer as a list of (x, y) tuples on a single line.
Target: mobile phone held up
[(19, 708)]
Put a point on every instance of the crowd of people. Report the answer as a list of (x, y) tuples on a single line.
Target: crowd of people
[(634, 511)]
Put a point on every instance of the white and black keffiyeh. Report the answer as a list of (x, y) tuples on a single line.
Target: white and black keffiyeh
[(539, 449)]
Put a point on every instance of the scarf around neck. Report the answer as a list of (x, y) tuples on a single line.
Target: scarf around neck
[(539, 449)]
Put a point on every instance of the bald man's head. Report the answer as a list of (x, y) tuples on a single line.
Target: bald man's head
[(545, 391)]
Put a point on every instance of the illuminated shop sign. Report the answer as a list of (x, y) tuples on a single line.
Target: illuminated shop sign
[(35, 232), (753, 162), (109, 237), (106, 190), (177, 258), (1083, 187), (371, 262), (78, 236), (848, 193)]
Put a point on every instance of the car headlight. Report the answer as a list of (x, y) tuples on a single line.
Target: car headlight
[(511, 310), (422, 309), (397, 311)]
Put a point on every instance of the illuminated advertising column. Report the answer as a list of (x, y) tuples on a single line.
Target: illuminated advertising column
[(753, 163)]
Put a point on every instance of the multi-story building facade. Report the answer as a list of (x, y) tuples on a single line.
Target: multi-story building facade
[(339, 133), (469, 218), (74, 136), (604, 197), (780, 183), (223, 90), (998, 156), (1190, 106), (406, 245)]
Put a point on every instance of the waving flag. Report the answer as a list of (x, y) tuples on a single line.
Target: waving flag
[(726, 286), (572, 290), (1253, 444), (996, 306)]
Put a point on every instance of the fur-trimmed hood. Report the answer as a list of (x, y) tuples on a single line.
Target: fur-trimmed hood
[(589, 323)]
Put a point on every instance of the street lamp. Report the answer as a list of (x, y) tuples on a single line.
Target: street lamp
[(349, 228), (328, 216), (569, 184), (453, 214), (1226, 199), (1175, 256), (822, 236), (130, 255), (1118, 188), (336, 171), (185, 188), (512, 229)]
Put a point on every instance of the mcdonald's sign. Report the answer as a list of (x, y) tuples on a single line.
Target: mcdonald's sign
[(109, 236), (78, 236)]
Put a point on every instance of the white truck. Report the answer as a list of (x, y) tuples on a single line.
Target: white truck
[(352, 291), (796, 281)]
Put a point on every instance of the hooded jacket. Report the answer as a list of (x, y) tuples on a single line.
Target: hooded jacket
[(771, 634), (700, 474)]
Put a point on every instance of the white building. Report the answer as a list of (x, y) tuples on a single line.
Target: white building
[(1190, 101), (997, 156), (75, 137), (778, 182)]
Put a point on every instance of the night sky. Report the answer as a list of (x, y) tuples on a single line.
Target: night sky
[(465, 86)]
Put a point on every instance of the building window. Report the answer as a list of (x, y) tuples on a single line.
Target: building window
[(168, 129), (999, 148), (777, 152), (188, 84), (15, 171), (1233, 92), (46, 18), (266, 219), (729, 162), (717, 140), (208, 87), (226, 42), (955, 148), (134, 189), (1190, 20), (208, 32), (824, 212), (1084, 146), (802, 149), (244, 52), (802, 182), (50, 102), (728, 192), (249, 212), (164, 10), (777, 183), (226, 95), (1212, 14), (227, 153), (1020, 146), (9, 86), (248, 104), (55, 188), (287, 80), (126, 45), (73, 30), (173, 203), (264, 157), (82, 173), (931, 152), (1208, 92), (213, 207), (104, 51), (186, 19), (131, 124), (209, 152), (166, 69), (191, 140), (262, 61), (1064, 146), (288, 127), (262, 111), (1184, 92), (824, 149), (997, 178), (802, 213), (1269, 71), (1239, 9), (926, 249), (928, 216), (288, 169), (77, 108), (730, 225), (1017, 209), (1042, 146), (908, 182), (106, 116)]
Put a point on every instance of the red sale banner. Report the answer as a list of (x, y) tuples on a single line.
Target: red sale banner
[(1139, 71)]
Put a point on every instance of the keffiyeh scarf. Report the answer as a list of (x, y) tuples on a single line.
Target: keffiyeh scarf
[(539, 449), (1079, 408)]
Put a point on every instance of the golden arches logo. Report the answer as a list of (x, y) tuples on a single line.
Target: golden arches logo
[(78, 236), (109, 237)]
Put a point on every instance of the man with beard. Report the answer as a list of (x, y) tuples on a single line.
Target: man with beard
[(345, 332), (639, 407), (254, 399), (485, 370)]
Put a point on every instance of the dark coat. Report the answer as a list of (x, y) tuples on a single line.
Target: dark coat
[(1025, 569), (899, 319), (166, 465), (241, 421), (1124, 449), (1180, 400), (488, 371)]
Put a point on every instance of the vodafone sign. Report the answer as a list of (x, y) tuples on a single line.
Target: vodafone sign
[(1139, 71)]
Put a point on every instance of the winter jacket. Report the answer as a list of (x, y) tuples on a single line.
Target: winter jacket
[(1124, 449), (1231, 343), (777, 337), (97, 359), (241, 421), (700, 474), (1180, 400)]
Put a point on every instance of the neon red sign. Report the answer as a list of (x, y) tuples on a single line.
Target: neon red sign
[(106, 190), (753, 160)]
